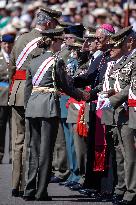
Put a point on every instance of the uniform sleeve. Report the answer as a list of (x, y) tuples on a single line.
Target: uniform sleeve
[(28, 87), (12, 64), (66, 83), (89, 77), (119, 98)]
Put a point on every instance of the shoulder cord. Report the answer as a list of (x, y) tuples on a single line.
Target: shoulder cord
[(56, 56)]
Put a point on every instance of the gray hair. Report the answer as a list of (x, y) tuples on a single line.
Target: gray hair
[(42, 18)]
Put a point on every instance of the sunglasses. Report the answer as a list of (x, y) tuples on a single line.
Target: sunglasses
[(99, 39)]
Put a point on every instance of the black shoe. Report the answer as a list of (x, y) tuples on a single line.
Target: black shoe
[(46, 198), (105, 197), (116, 198), (125, 202), (29, 198), (76, 187), (88, 192), (15, 192), (21, 194), (72, 183), (67, 183), (63, 183), (55, 179)]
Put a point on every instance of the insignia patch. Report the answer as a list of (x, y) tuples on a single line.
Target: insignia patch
[(127, 68)]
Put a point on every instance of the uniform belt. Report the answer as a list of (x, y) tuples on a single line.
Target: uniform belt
[(20, 75), (43, 89)]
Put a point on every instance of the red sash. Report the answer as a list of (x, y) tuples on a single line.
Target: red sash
[(19, 75), (132, 103), (82, 128), (132, 98)]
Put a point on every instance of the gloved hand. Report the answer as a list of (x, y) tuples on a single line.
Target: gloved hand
[(106, 105), (101, 99)]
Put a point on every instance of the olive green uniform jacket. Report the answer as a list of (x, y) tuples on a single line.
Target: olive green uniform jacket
[(4, 78), (17, 94)]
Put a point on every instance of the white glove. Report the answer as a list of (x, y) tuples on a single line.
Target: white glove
[(106, 105), (101, 99)]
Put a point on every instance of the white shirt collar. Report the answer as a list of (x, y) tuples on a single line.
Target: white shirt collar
[(97, 53)]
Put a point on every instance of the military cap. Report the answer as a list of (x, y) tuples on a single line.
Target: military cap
[(78, 43), (7, 38), (50, 12), (53, 33), (64, 24), (90, 32), (76, 30), (120, 36)]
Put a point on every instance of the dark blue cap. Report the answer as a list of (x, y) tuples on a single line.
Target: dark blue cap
[(77, 30), (7, 38)]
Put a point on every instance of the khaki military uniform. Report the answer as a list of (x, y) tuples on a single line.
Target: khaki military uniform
[(126, 131), (60, 164), (42, 112), (4, 108), (79, 142), (16, 100)]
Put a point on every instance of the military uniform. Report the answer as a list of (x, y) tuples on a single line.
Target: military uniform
[(60, 163), (4, 108), (16, 100), (119, 81), (24, 50), (75, 159), (126, 130), (40, 95), (79, 141)]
